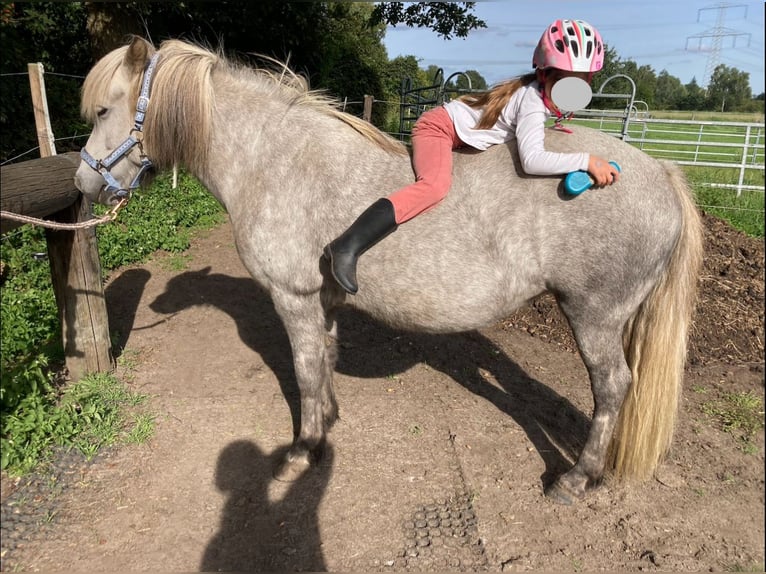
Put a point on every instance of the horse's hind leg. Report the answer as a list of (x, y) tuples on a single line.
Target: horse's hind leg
[(600, 345), (313, 358)]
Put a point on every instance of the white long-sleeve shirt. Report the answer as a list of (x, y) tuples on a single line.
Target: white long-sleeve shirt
[(522, 119)]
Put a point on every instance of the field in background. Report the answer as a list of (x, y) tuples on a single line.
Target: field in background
[(707, 116), (722, 155)]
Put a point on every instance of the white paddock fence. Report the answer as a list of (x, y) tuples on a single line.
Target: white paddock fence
[(729, 155), (737, 146)]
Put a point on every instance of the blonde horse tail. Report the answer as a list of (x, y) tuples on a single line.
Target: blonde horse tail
[(655, 342)]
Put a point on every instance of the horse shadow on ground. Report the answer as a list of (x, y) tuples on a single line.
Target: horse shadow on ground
[(555, 426), (259, 535)]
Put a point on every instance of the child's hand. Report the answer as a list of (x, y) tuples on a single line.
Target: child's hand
[(602, 172)]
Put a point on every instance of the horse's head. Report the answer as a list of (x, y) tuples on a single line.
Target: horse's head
[(114, 99)]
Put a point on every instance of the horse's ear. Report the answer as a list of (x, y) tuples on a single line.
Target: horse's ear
[(138, 55)]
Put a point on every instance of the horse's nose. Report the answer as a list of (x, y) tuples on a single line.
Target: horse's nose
[(89, 184)]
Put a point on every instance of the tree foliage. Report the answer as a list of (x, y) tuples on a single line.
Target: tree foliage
[(51, 33), (338, 46), (729, 89), (669, 91), (447, 19)]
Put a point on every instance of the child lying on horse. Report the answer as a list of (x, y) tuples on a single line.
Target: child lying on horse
[(514, 110)]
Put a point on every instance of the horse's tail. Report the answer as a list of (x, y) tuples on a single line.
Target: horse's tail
[(655, 341)]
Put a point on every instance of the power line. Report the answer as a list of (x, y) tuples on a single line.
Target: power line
[(717, 33)]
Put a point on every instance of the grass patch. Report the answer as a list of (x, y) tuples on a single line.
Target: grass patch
[(177, 262), (158, 218), (738, 413), (36, 413), (710, 116), (744, 212), (95, 412)]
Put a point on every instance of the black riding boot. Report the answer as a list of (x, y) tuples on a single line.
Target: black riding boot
[(374, 224)]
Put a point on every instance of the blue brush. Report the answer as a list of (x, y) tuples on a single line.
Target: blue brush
[(578, 181)]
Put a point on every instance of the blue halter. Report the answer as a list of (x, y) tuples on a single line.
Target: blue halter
[(104, 166)]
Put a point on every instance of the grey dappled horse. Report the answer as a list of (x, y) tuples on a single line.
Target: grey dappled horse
[(293, 172)]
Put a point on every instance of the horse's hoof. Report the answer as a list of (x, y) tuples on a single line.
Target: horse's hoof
[(292, 469), (557, 492)]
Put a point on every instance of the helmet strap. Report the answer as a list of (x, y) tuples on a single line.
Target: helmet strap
[(560, 117)]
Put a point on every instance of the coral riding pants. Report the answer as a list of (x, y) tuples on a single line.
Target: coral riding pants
[(433, 139)]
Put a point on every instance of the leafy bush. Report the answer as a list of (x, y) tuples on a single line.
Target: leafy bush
[(89, 414), (159, 218), (34, 412), (29, 325)]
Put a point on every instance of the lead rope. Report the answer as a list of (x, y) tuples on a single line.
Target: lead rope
[(110, 215)]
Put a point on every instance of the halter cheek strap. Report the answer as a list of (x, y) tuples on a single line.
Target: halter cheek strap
[(104, 166), (557, 125)]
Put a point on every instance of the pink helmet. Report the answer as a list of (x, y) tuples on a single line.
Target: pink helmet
[(572, 45)]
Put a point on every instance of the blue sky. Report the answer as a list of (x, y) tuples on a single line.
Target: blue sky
[(654, 33)]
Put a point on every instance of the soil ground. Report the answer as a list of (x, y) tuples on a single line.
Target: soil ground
[(437, 464)]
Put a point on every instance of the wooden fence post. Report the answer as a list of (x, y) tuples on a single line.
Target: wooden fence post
[(75, 265), (40, 104), (79, 291), (367, 112)]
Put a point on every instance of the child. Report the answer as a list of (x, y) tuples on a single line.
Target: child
[(516, 109)]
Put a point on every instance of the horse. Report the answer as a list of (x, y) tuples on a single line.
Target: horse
[(293, 171)]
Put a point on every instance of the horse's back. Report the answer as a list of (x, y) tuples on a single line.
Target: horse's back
[(501, 237)]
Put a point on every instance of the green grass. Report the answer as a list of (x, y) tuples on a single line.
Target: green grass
[(157, 218), (710, 143), (708, 116), (86, 415), (95, 412), (738, 413), (745, 213)]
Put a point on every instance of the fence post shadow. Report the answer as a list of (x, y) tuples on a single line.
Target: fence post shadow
[(123, 296)]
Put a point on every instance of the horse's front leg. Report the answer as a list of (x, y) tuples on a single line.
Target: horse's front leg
[(313, 358), (610, 378)]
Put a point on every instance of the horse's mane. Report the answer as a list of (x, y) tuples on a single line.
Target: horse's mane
[(296, 89), (182, 99)]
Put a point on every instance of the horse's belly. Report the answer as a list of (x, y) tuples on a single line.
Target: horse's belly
[(470, 297)]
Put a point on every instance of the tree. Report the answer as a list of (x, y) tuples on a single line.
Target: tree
[(477, 81), (694, 98), (728, 90), (669, 92), (645, 80), (52, 33), (400, 69), (610, 67), (336, 45), (353, 59), (445, 18)]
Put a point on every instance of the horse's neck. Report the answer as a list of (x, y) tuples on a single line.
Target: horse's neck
[(268, 145)]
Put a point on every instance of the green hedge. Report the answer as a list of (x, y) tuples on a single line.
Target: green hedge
[(158, 218)]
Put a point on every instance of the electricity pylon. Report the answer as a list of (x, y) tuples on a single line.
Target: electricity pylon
[(717, 34)]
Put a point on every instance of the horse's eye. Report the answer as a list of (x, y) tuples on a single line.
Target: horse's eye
[(101, 112)]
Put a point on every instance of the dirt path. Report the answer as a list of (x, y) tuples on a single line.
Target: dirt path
[(438, 462)]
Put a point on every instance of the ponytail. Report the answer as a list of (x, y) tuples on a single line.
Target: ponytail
[(493, 101)]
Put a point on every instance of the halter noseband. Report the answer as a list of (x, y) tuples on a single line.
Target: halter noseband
[(103, 166)]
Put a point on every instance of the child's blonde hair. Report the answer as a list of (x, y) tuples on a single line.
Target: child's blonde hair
[(493, 101)]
